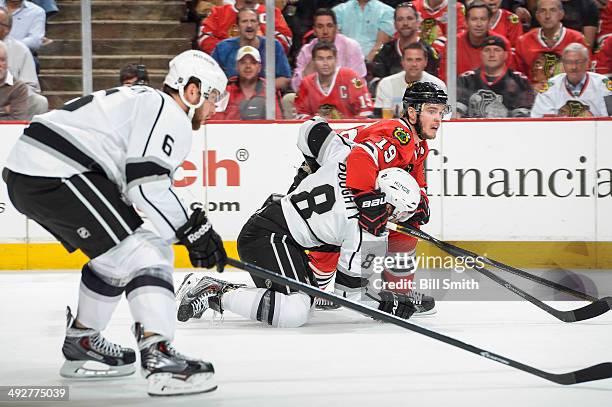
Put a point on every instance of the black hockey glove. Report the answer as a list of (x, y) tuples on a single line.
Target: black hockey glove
[(421, 215), (204, 245), (396, 304), (373, 213)]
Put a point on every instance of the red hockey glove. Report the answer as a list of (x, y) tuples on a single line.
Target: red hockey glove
[(373, 214)]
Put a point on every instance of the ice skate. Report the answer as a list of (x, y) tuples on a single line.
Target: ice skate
[(168, 372), (425, 304), (90, 356), (205, 294)]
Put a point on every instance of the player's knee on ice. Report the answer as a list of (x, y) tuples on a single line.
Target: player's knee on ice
[(270, 307)]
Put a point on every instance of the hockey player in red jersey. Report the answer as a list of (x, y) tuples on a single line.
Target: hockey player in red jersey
[(331, 92), (221, 24), (394, 143)]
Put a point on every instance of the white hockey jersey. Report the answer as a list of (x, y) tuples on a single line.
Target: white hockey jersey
[(137, 136), (594, 99), (321, 211)]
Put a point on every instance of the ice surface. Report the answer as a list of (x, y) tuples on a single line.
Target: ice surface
[(338, 358)]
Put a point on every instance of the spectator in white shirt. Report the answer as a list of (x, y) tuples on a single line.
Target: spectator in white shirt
[(28, 22), (575, 93), (391, 89), (21, 66)]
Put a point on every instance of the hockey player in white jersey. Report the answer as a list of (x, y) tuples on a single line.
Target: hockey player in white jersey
[(321, 211), (78, 171)]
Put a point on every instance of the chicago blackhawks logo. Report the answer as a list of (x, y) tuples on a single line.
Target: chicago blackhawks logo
[(545, 67), (574, 108), (401, 134), (608, 84), (358, 83)]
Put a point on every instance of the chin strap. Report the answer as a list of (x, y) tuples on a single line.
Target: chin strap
[(192, 108)]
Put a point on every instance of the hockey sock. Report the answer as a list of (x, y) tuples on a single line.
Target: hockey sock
[(98, 298), (270, 307), (150, 294)]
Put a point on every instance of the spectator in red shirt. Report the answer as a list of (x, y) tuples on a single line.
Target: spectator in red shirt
[(247, 91), (539, 51), (505, 23), (434, 17), (331, 92), (222, 24), (478, 18)]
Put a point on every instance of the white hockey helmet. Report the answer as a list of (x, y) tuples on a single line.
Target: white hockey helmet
[(201, 66), (401, 190)]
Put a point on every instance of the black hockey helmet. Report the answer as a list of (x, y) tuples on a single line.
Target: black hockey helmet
[(417, 93)]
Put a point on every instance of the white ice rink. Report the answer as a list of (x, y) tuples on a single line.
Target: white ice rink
[(339, 359)]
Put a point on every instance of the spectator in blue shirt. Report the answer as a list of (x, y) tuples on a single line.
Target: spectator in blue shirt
[(369, 22), (248, 25), (28, 22)]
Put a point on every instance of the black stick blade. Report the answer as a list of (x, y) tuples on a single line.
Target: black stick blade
[(592, 310), (589, 374)]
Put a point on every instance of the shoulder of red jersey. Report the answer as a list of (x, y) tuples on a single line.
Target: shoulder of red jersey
[(394, 130), (511, 17)]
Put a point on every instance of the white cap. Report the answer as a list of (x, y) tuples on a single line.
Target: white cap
[(195, 64), (248, 50)]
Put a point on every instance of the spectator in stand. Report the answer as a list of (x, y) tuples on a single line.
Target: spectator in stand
[(368, 22), (326, 29), (389, 60), (21, 66), (391, 89), (13, 93), (248, 27), (28, 22), (478, 18), (575, 93), (505, 23), (434, 19), (539, 51), (603, 58), (331, 92), (222, 23), (133, 74), (493, 90), (579, 15), (247, 91)]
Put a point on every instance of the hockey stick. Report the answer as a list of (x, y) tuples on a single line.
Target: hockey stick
[(592, 373), (600, 306), (521, 273)]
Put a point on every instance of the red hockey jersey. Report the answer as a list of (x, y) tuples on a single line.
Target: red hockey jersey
[(507, 24), (434, 22), (539, 61), (221, 24), (389, 143), (347, 98)]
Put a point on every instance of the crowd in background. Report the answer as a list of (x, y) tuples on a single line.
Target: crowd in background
[(354, 58)]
